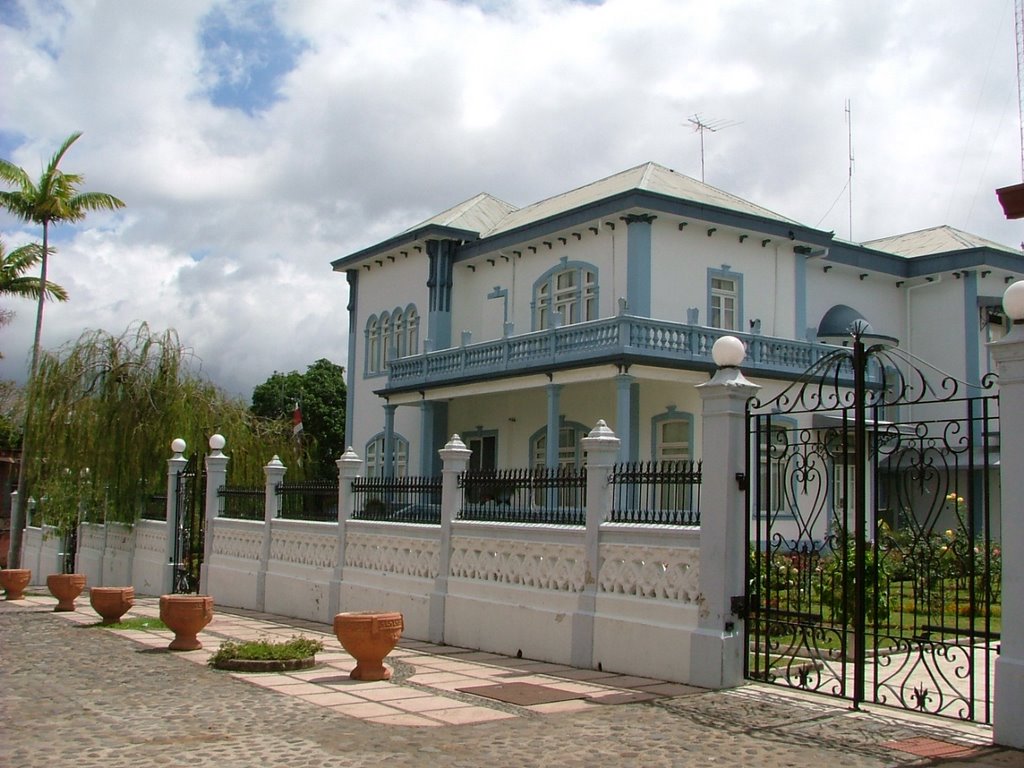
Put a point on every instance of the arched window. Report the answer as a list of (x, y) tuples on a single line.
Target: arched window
[(412, 330), (385, 340), (570, 289), (375, 456), (372, 345), (398, 338), (569, 451)]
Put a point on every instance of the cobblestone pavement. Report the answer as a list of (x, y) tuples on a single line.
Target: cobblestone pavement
[(73, 695)]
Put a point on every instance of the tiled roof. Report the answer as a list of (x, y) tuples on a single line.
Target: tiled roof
[(925, 242)]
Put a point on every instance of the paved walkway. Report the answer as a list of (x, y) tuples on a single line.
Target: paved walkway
[(75, 695)]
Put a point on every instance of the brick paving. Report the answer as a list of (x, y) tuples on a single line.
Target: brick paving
[(75, 695)]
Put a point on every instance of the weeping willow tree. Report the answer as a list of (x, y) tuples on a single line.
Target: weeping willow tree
[(107, 408)]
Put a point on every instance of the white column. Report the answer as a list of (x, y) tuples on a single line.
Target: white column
[(455, 459), (602, 448), (1008, 353), (716, 648), (216, 478), (175, 465), (350, 466), (273, 473)]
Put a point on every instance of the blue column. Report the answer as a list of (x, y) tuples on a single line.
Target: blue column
[(554, 422), (624, 417), (389, 440), (433, 429), (800, 297), (638, 265), (441, 258), (352, 275)]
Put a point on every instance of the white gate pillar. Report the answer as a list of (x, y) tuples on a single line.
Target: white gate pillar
[(455, 459), (350, 466), (717, 647), (216, 478), (175, 465), (273, 474), (1008, 353), (602, 448)]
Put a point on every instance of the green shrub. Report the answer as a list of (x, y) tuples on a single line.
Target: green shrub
[(264, 650)]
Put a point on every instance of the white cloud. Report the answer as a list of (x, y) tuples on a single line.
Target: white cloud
[(396, 110)]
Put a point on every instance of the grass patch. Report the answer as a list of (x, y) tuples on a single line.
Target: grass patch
[(136, 622), (266, 650)]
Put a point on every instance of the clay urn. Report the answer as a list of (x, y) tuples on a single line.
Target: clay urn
[(14, 581), (111, 603), (186, 615), (369, 637), (65, 587)]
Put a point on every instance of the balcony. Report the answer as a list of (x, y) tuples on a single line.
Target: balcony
[(623, 339)]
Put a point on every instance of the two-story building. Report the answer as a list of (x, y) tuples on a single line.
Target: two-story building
[(519, 328)]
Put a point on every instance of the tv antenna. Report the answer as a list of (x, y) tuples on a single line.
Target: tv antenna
[(700, 125)]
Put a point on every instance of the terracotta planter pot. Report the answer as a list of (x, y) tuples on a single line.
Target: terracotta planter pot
[(65, 587), (186, 615), (1012, 200), (14, 581), (369, 637), (111, 603)]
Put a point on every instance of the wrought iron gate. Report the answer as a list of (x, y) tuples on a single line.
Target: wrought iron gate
[(873, 569), (189, 527)]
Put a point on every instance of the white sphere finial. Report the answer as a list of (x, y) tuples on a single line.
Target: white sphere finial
[(178, 445), (1013, 301), (728, 352), (217, 442)]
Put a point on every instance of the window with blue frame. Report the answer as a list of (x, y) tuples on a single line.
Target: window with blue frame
[(725, 299), (375, 456), (391, 334), (569, 289)]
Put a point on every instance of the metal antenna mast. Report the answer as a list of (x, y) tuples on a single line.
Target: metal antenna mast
[(1018, 22), (700, 125), (849, 142)]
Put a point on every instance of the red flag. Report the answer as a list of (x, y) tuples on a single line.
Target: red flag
[(297, 421)]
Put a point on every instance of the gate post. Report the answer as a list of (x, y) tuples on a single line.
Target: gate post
[(1008, 353), (602, 447), (455, 459), (350, 466), (175, 465), (274, 473), (216, 478), (717, 647)]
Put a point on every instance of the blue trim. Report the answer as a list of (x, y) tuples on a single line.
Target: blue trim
[(726, 273), (671, 414), (972, 344), (799, 296), (389, 441), (554, 392), (352, 277), (405, 239), (638, 265), (439, 284)]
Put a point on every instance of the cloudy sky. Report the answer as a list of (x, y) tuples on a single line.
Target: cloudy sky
[(255, 141)]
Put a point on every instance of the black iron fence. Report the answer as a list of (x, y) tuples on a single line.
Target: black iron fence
[(652, 492), (312, 500), (154, 507), (243, 503), (398, 499), (555, 496)]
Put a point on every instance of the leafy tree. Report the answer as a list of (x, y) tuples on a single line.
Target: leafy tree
[(53, 199), (320, 393), (110, 406)]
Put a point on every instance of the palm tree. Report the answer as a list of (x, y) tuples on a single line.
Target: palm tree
[(53, 199), (14, 281)]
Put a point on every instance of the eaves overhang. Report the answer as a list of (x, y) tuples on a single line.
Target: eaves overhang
[(428, 232), (905, 267), (653, 202)]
